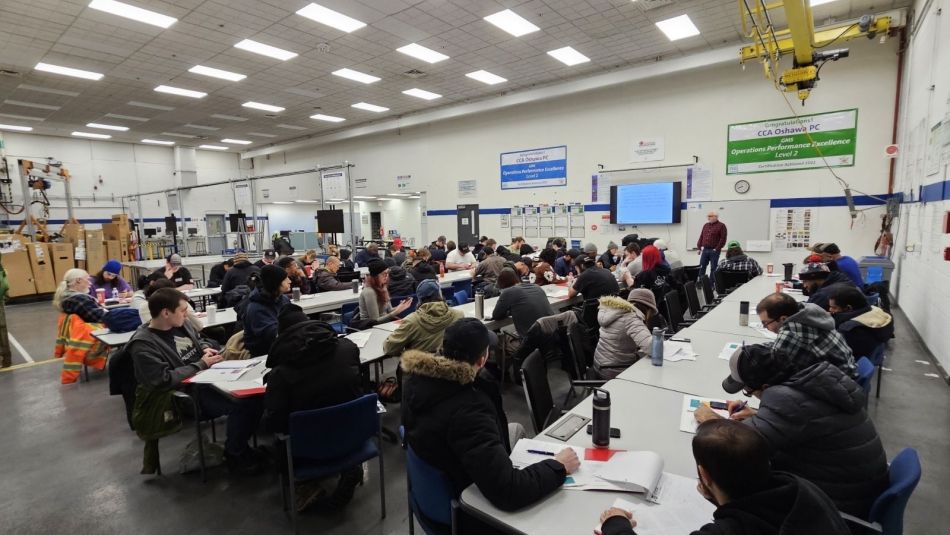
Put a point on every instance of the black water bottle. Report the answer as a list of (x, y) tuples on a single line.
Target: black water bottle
[(601, 425)]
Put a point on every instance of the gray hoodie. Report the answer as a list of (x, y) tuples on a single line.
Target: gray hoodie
[(158, 365), (809, 336)]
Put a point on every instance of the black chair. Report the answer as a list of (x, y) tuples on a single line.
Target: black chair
[(582, 355), (696, 310), (674, 314), (692, 272), (679, 275), (728, 280), (708, 291), (588, 315), (537, 391)]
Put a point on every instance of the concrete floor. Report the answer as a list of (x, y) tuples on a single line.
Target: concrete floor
[(70, 463)]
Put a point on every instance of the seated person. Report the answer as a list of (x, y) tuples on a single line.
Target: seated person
[(624, 334), (264, 304), (565, 263), (454, 420), (166, 351), (270, 256), (669, 256), (423, 329), (311, 368), (814, 421), (369, 253), (397, 254), (806, 333), (145, 314), (218, 272), (324, 278), (346, 263), (864, 327), (295, 273), (109, 280), (422, 267), (309, 261), (72, 297), (176, 273), (735, 475), (460, 259), (591, 251), (543, 274), (656, 275), (401, 282), (630, 265), (736, 260), (830, 252), (610, 258), (524, 302), (241, 269), (593, 282), (490, 266), (818, 283), (374, 299)]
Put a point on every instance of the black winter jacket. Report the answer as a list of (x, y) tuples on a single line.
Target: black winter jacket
[(455, 421), (258, 315), (237, 276), (831, 285), (788, 506), (865, 329), (311, 368), (422, 271), (817, 428), (401, 283)]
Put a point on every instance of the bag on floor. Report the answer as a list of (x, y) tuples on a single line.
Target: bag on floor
[(190, 460)]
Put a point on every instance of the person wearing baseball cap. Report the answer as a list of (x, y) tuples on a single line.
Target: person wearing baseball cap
[(269, 257), (565, 263), (669, 256), (819, 283), (176, 273), (814, 421), (831, 253), (108, 279), (455, 421), (423, 329), (737, 260), (460, 258)]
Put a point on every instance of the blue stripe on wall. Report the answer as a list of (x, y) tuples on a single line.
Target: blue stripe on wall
[(938, 191)]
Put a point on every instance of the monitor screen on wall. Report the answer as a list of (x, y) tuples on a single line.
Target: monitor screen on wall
[(330, 221), (656, 203)]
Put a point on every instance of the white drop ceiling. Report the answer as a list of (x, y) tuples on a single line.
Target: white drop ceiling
[(137, 57)]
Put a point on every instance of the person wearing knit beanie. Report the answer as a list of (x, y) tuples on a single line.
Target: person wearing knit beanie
[(109, 280), (272, 278)]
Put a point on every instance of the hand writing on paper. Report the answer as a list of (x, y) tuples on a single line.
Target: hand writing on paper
[(569, 459), (738, 411), (211, 359)]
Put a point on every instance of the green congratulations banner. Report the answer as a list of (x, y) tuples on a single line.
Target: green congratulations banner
[(793, 143)]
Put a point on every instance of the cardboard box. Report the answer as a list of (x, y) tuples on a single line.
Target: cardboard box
[(122, 219), (115, 231), (19, 273), (63, 259), (73, 233), (95, 251), (44, 280), (113, 250)]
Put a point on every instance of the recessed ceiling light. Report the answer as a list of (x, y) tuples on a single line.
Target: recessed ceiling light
[(260, 106), (157, 142), (108, 127), (16, 128), (486, 77), (568, 56), (814, 3), (356, 76), (423, 53), (150, 106), (90, 134), (399, 194), (260, 134), (41, 89), (413, 197), (421, 93), (217, 73), (512, 23), (23, 104), (68, 71), (236, 141), (134, 13), (328, 118), (336, 200), (179, 91), (306, 201), (202, 127), (22, 117), (291, 126), (229, 117), (677, 28), (331, 18), (366, 197), (283, 202), (175, 134), (370, 107), (212, 147), (127, 117), (266, 50)]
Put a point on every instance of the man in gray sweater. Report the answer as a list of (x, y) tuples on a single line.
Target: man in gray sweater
[(167, 350), (524, 302)]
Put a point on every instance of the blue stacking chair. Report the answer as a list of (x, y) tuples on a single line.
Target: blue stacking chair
[(459, 286), (865, 374), (324, 442), (431, 494), (460, 297), (877, 359), (887, 512), (448, 294), (347, 311)]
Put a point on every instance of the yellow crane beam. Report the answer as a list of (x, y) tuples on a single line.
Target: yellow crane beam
[(837, 32)]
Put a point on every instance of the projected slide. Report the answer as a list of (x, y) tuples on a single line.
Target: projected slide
[(646, 204)]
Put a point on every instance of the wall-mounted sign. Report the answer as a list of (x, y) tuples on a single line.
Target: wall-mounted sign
[(535, 168)]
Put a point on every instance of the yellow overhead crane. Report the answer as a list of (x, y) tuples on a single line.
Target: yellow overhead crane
[(808, 46)]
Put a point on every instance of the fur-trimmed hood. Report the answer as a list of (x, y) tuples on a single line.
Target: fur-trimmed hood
[(612, 301), (436, 367)]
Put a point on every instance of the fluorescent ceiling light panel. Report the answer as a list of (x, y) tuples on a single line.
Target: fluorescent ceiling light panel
[(212, 147), (260, 106), (41, 89), (328, 118), (306, 201), (677, 28), (333, 19), (399, 194), (265, 50), (283, 202), (236, 141), (175, 134), (486, 77), (179, 91), (260, 134), (229, 117), (356, 76), (30, 105), (108, 127), (568, 56), (202, 127), (22, 117), (150, 106), (217, 73), (336, 200), (127, 117), (814, 3), (291, 126), (413, 197), (370, 107), (364, 197), (134, 13), (68, 71), (512, 23), (157, 142), (420, 52), (421, 93), (16, 128), (91, 135)]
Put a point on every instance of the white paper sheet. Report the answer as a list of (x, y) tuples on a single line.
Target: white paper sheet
[(585, 478), (684, 511), (729, 349), (219, 375), (757, 325), (636, 471), (688, 423), (676, 351), (234, 364), (360, 338)]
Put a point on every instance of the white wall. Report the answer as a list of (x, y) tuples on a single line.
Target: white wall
[(690, 110), (923, 291)]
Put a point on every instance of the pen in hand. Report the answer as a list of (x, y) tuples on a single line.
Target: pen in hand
[(539, 452), (739, 408)]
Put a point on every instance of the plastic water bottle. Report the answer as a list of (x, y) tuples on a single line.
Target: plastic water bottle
[(657, 357), (212, 314), (600, 433), (115, 293)]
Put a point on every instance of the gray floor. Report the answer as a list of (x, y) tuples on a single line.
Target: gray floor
[(70, 463)]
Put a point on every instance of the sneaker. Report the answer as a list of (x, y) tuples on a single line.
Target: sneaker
[(247, 463)]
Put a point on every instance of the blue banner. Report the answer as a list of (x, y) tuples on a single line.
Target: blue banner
[(535, 168)]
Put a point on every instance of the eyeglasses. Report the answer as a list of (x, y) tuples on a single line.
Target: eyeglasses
[(765, 324)]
